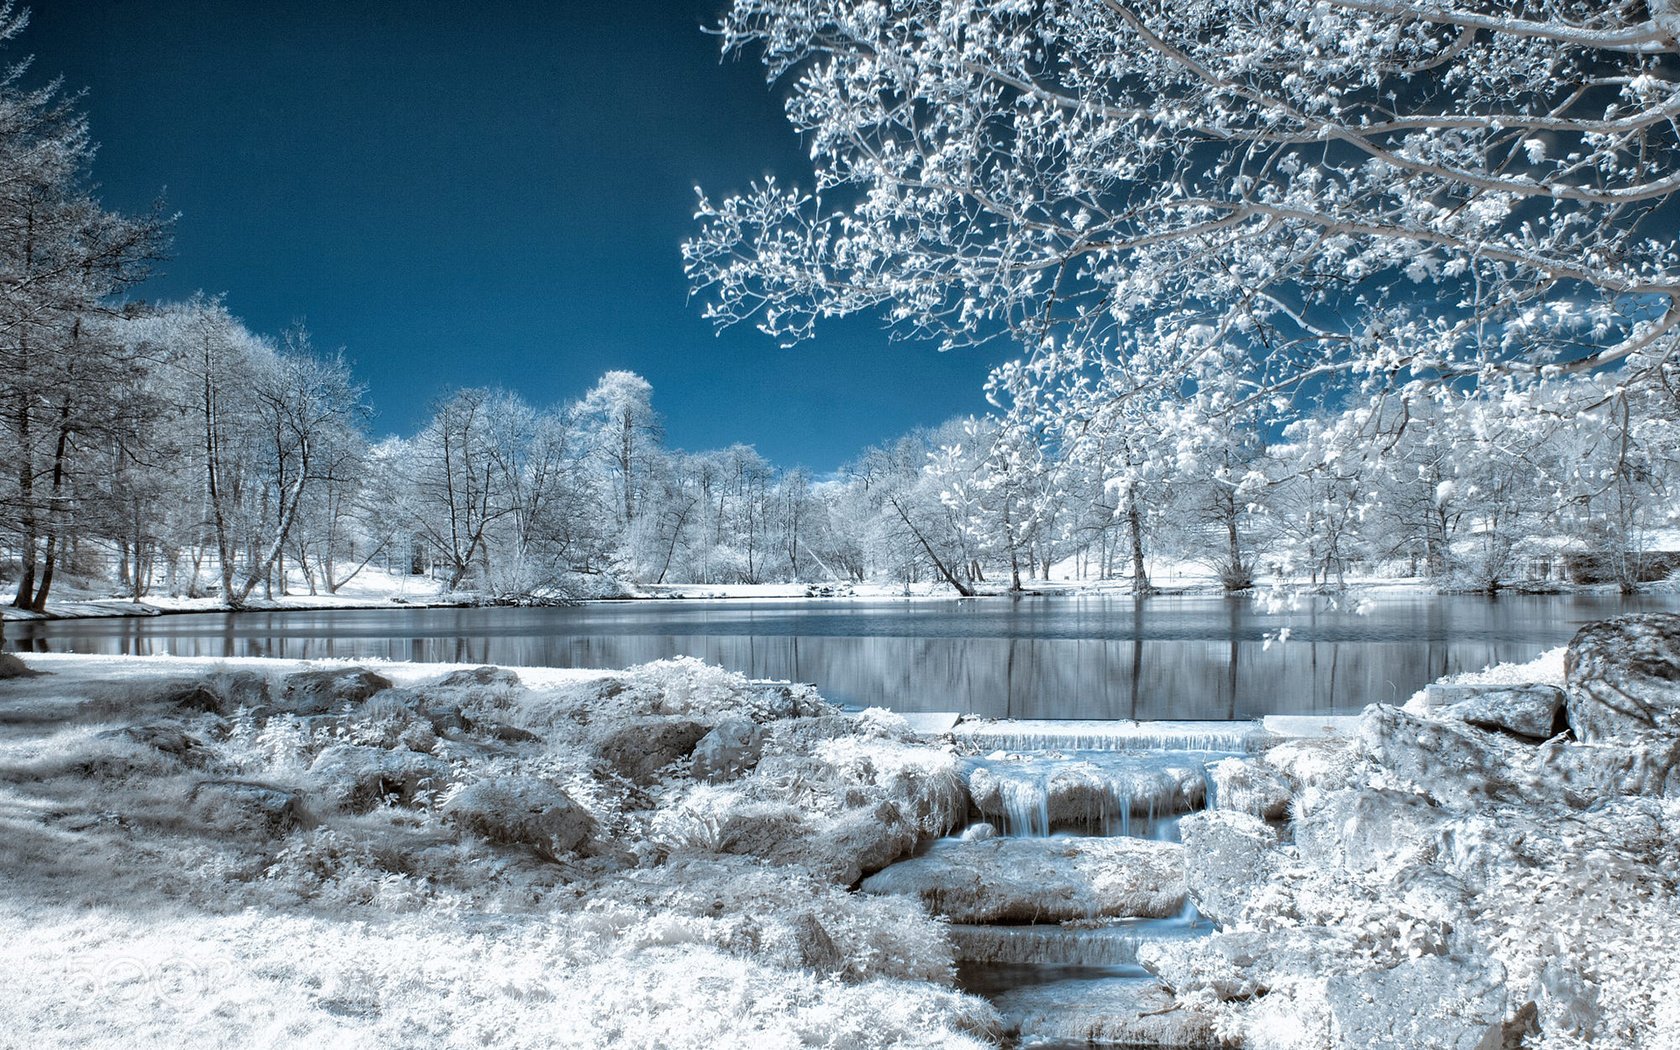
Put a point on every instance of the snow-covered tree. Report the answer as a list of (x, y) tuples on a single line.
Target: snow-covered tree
[(1369, 193)]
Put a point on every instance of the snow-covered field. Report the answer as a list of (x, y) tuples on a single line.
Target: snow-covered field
[(217, 854), (263, 853)]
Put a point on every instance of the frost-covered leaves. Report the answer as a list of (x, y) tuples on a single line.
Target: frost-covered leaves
[(1362, 194)]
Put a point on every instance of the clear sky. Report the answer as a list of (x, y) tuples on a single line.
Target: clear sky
[(482, 193)]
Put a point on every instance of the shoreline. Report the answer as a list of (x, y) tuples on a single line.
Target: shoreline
[(1361, 590)]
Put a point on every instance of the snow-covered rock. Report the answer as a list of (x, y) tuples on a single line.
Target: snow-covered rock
[(1241, 964), (846, 847), (1430, 1003), (480, 677), (1041, 880), (1368, 830), (730, 748), (249, 804), (521, 811), (1227, 858), (318, 692), (11, 666), (1623, 677), (1461, 767), (356, 778), (1117, 1012), (1033, 796), (1526, 710), (1249, 785), (637, 749)]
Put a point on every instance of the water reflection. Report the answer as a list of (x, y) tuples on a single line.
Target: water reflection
[(1169, 657)]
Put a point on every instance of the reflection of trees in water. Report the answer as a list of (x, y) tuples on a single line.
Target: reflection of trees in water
[(1165, 658)]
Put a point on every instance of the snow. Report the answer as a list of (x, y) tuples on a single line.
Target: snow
[(132, 916)]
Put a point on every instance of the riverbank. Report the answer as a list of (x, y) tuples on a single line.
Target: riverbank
[(263, 852), (397, 592)]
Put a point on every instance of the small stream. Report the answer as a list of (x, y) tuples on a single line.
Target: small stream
[(1136, 780)]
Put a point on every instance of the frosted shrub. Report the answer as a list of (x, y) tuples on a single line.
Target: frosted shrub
[(928, 784), (336, 870)]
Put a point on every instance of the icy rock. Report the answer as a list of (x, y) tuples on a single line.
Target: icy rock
[(1455, 764), (979, 832), (1041, 880), (852, 844), (318, 692), (777, 700), (1227, 858), (522, 811), (1329, 764), (1125, 1012), (170, 738), (639, 748), (817, 950), (12, 667), (1430, 1003), (267, 807), (356, 778), (1247, 785), (1529, 710), (479, 676), (1623, 677), (1460, 766), (1033, 796), (1368, 831), (1240, 964), (731, 748)]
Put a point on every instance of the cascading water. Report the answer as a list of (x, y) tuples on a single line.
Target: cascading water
[(1126, 779)]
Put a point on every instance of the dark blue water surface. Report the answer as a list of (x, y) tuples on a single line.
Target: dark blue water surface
[(1038, 657)]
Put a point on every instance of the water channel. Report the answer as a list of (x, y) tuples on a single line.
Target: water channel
[(1179, 657)]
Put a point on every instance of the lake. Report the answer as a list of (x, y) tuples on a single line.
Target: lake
[(1034, 657)]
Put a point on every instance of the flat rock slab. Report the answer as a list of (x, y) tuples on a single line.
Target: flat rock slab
[(1031, 734), (932, 723), (1526, 710), (1082, 946), (1041, 880), (1129, 1012), (1033, 795), (1311, 727)]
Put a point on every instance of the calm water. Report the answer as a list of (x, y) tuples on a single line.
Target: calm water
[(1066, 657)]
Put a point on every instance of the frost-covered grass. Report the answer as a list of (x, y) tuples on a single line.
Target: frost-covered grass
[(174, 876)]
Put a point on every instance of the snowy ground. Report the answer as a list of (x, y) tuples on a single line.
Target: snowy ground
[(193, 857)]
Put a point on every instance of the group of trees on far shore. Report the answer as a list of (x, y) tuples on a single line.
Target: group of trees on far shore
[(1303, 321)]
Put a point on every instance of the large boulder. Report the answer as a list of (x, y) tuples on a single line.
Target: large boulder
[(521, 811), (1228, 857), (1455, 764), (1041, 880), (1525, 710), (1430, 1003), (318, 692), (1623, 677), (249, 804), (479, 677), (730, 748), (356, 778), (851, 844), (1369, 831), (1462, 767), (639, 748)]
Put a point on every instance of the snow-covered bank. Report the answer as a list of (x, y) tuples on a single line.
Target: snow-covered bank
[(259, 853)]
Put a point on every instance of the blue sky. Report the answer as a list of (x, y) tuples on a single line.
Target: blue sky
[(477, 194)]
